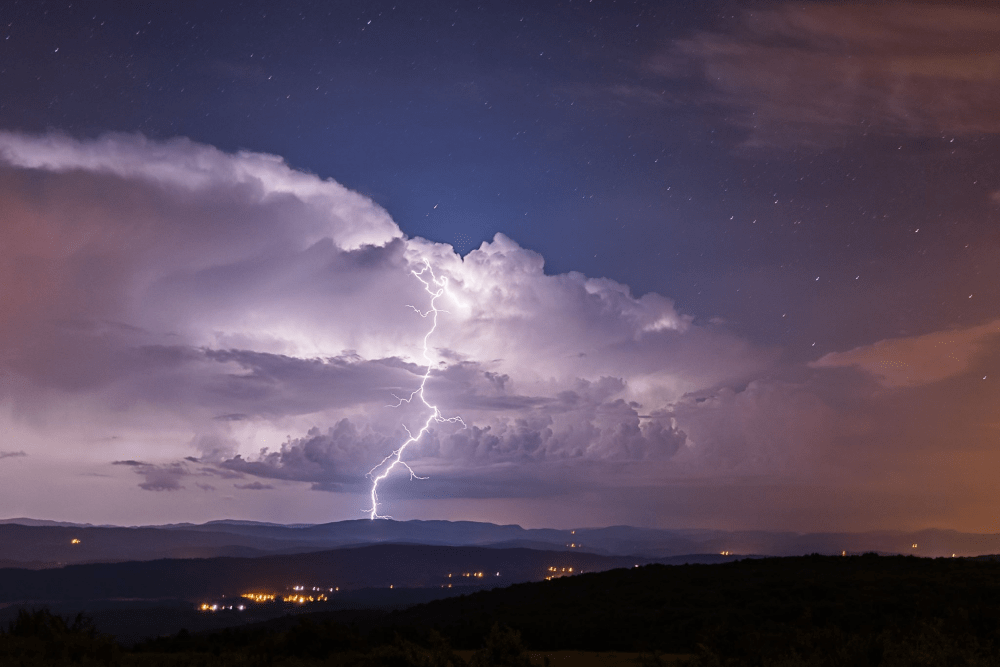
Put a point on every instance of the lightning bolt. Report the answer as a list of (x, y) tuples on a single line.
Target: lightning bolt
[(436, 287)]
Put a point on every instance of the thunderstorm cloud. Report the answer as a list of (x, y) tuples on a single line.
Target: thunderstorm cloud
[(173, 315)]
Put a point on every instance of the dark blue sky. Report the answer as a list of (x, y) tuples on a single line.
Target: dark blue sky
[(806, 177)]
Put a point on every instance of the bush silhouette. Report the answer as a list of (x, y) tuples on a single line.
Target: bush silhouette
[(42, 638), (503, 648)]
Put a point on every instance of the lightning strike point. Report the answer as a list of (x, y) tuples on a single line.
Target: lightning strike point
[(435, 287)]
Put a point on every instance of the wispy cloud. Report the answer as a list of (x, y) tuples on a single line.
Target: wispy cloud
[(253, 486), (158, 477), (918, 360), (818, 74)]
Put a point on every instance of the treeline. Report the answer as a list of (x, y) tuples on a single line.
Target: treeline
[(814, 610), (39, 638)]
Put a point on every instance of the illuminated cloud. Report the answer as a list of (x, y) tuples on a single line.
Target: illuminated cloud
[(808, 73), (227, 312), (326, 208), (195, 316)]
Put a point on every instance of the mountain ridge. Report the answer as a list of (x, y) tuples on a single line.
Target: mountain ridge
[(54, 543)]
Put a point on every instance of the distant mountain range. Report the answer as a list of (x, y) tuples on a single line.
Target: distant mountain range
[(23, 521), (35, 543)]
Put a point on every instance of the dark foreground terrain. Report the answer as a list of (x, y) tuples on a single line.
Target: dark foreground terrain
[(139, 599), (814, 610)]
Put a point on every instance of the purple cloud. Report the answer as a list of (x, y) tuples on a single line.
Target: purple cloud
[(253, 486), (232, 318)]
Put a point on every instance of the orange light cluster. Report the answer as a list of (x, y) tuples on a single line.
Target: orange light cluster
[(216, 607), (302, 599), (558, 572), (259, 597)]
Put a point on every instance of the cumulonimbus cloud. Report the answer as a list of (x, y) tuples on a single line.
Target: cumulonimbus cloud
[(229, 294), (189, 313), (205, 285)]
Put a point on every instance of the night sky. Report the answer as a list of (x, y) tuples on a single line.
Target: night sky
[(717, 264)]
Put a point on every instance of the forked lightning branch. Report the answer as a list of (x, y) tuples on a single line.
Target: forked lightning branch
[(436, 287)]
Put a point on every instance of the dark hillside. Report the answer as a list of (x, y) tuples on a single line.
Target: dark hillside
[(378, 566), (815, 610), (739, 608)]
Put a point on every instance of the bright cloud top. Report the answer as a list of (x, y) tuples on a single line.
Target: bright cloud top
[(352, 219)]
